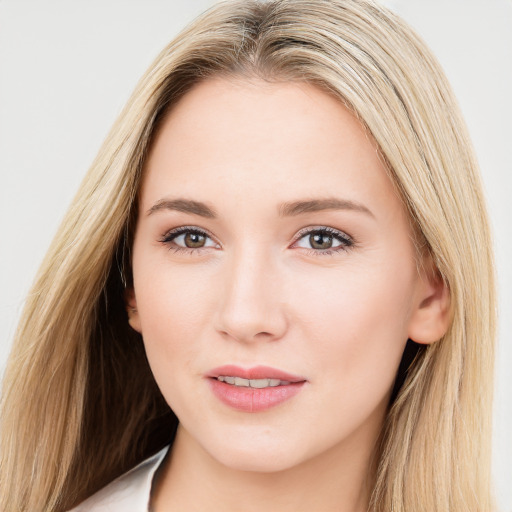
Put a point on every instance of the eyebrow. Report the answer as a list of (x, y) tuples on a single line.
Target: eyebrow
[(184, 205), (288, 209), (316, 205)]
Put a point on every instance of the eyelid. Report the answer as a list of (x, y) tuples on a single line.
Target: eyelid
[(326, 229), (171, 234), (346, 239)]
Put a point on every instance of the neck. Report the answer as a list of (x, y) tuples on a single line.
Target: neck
[(192, 480)]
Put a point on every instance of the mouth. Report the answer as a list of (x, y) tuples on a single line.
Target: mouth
[(254, 389), (252, 383), (255, 377)]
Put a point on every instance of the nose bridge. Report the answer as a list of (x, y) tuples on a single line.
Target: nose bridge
[(250, 307)]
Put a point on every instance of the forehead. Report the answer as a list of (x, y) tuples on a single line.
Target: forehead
[(272, 140)]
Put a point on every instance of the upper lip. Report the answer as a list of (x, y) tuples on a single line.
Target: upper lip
[(256, 372)]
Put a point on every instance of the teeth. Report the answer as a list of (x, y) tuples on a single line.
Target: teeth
[(241, 382), (252, 383), (261, 383)]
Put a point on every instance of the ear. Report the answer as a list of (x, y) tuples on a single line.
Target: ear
[(131, 308), (431, 316)]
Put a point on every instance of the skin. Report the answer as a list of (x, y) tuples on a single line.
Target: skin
[(259, 293)]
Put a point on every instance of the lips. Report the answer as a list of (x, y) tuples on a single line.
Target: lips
[(253, 389), (257, 372)]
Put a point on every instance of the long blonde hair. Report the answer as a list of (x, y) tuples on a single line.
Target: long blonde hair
[(79, 403)]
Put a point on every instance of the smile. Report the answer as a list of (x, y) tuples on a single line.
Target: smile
[(252, 383), (255, 389)]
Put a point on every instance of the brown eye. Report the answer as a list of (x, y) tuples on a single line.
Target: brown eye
[(324, 240), (188, 238), (320, 241), (194, 240)]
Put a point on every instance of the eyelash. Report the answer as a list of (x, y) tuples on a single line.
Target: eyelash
[(171, 235), (346, 242)]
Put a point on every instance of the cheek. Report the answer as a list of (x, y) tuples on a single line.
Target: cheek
[(174, 305), (357, 316)]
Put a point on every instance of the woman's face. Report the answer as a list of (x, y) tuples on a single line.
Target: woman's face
[(271, 247)]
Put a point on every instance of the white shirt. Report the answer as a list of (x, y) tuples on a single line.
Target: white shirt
[(129, 492)]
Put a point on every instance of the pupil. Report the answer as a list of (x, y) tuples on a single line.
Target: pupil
[(194, 240), (319, 241)]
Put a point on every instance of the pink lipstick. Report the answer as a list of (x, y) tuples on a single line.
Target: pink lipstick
[(253, 389)]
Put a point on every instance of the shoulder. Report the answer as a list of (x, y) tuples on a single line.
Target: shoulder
[(128, 493)]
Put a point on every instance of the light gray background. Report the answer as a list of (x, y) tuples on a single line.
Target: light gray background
[(68, 66)]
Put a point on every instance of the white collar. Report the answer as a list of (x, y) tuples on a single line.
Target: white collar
[(128, 493)]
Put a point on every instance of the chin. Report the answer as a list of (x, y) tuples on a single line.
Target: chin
[(257, 460), (260, 452)]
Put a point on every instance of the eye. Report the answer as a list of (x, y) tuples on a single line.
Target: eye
[(323, 240), (188, 238)]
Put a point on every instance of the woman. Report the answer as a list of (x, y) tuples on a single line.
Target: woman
[(279, 265)]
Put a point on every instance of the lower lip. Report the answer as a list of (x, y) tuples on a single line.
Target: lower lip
[(249, 399)]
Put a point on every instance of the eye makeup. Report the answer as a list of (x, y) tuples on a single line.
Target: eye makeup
[(317, 240), (323, 240), (188, 239)]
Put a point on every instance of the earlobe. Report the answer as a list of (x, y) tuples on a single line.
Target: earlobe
[(432, 315), (131, 308)]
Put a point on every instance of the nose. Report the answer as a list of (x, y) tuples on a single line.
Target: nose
[(251, 306)]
